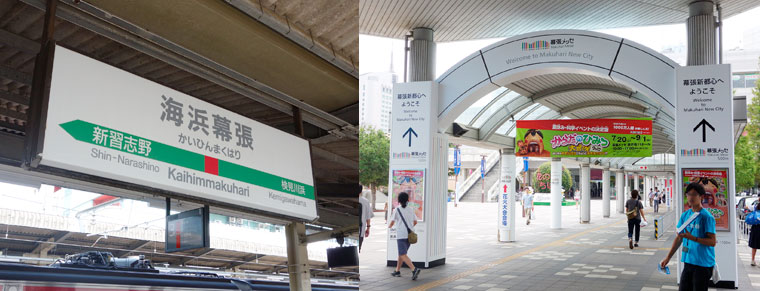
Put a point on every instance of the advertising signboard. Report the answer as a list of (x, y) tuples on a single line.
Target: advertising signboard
[(584, 138), (413, 183), (715, 200)]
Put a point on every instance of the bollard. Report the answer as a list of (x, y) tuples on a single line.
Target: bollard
[(657, 227)]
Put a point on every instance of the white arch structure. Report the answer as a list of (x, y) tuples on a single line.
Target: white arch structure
[(630, 80)]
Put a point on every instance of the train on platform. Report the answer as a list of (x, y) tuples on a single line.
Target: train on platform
[(101, 271)]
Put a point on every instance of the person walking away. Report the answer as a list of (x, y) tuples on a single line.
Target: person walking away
[(698, 239), (651, 196), (634, 209), (402, 216), (656, 200), (365, 217), (527, 202), (754, 237)]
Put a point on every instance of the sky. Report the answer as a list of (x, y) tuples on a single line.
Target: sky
[(375, 52)]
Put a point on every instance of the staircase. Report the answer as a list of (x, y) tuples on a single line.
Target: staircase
[(474, 194)]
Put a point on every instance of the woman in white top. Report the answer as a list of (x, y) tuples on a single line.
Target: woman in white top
[(403, 216)]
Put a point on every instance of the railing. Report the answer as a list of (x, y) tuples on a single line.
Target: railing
[(491, 161), (744, 228), (493, 192)]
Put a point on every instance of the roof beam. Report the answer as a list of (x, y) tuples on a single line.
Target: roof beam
[(333, 157), (19, 42), (43, 247), (94, 19), (136, 246), (602, 103), (14, 75), (538, 96), (196, 255), (252, 258)]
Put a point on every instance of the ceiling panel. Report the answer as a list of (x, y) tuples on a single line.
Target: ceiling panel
[(455, 20)]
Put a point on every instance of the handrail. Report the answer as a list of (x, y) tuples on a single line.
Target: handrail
[(491, 161), (493, 191)]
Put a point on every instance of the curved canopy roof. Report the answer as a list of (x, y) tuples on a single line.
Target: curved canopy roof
[(491, 119)]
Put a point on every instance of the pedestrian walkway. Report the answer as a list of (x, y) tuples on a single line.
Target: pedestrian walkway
[(591, 256)]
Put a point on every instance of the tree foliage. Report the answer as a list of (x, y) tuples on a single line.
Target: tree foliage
[(747, 149), (542, 178), (374, 149)]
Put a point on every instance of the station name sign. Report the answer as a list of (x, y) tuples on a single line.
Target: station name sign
[(106, 122)]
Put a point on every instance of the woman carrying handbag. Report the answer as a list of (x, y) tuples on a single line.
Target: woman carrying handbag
[(402, 215), (634, 210)]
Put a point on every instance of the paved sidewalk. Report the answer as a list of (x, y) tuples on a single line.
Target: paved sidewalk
[(591, 256)]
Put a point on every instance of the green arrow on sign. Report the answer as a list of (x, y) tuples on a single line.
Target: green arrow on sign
[(100, 136)]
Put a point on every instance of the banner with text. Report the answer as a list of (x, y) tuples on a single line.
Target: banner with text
[(584, 138), (107, 122), (715, 200), (413, 183)]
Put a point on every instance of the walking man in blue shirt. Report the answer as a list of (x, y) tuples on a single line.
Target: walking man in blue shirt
[(698, 238)]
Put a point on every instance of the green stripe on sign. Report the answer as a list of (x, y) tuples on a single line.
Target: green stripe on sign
[(101, 136), (256, 177)]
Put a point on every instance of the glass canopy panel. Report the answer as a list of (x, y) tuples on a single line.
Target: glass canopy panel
[(522, 115), (494, 108), (472, 111)]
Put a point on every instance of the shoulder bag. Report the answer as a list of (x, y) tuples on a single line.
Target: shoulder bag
[(412, 236)]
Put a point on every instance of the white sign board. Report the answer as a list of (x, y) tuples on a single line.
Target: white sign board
[(107, 122), (410, 124), (704, 144), (705, 126)]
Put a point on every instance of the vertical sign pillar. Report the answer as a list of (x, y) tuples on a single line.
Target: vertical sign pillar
[(556, 193), (585, 193), (705, 149), (506, 197), (606, 192), (418, 166)]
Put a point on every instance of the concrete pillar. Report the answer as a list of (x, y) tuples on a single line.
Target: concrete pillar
[(620, 188), (606, 192), (298, 258), (636, 182), (556, 193), (585, 193), (700, 34), (627, 185), (645, 191), (507, 197), (422, 55)]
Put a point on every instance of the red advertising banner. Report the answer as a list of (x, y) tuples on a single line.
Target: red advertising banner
[(584, 138), (715, 200)]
